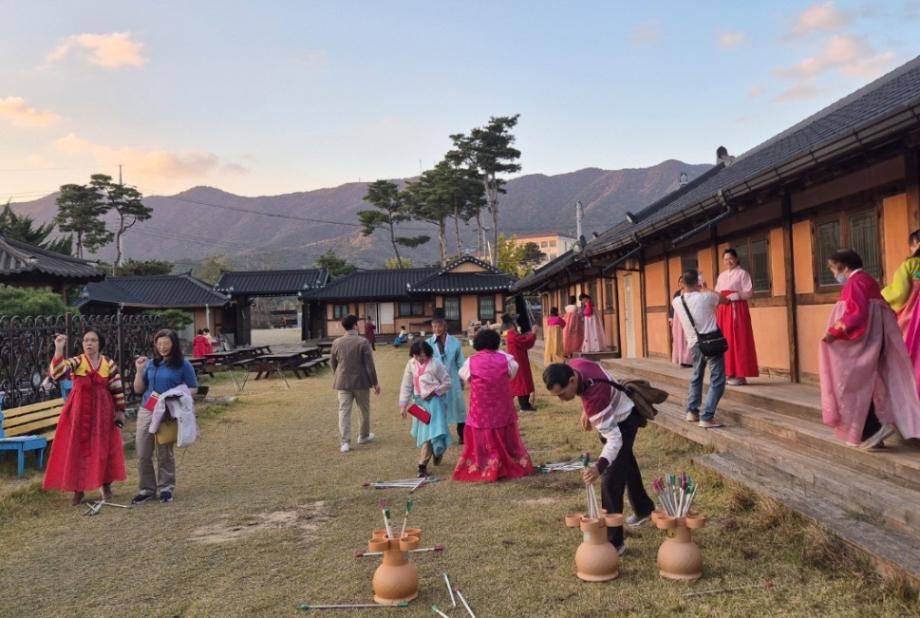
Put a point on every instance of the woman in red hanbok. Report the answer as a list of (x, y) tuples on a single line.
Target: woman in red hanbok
[(867, 381), (903, 294), (734, 320), (87, 451), (573, 334), (492, 445), (518, 346)]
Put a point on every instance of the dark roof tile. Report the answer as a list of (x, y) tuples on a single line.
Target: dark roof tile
[(161, 291), (272, 282), (21, 261)]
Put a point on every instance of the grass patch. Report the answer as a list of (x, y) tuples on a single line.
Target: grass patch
[(268, 514)]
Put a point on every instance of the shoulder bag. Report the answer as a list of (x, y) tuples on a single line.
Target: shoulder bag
[(711, 344)]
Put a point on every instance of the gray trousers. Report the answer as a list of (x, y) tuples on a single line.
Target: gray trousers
[(145, 443), (346, 399)]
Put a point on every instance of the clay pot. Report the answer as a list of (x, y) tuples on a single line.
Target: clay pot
[(613, 520), (656, 515), (694, 521), (596, 560), (379, 534), (378, 544), (572, 520), (679, 557), (396, 579), (665, 522), (416, 532)]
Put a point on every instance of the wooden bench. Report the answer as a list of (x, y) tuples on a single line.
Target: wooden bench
[(29, 428)]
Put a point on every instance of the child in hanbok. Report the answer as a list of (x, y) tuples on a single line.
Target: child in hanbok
[(867, 380), (492, 444), (552, 340), (425, 381)]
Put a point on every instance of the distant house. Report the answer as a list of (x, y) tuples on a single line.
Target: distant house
[(468, 289), (138, 294), (243, 286), (25, 265), (551, 244)]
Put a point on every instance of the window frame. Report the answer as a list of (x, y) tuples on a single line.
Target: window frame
[(842, 218), (337, 312), (416, 308), (457, 300), (746, 243), (479, 300)]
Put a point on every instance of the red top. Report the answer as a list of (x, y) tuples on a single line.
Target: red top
[(555, 320), (859, 289), (201, 345), (522, 383), (588, 308), (370, 332)]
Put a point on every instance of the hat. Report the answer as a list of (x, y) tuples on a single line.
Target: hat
[(439, 315)]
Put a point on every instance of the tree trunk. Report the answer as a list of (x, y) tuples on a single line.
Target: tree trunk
[(495, 234), (457, 230), (119, 248), (80, 245), (399, 263), (480, 249), (442, 238)]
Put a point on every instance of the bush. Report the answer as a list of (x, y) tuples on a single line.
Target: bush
[(32, 302), (176, 319)]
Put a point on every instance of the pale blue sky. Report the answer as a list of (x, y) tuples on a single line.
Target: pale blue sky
[(273, 97)]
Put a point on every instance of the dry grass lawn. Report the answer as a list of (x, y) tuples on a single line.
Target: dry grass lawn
[(268, 515)]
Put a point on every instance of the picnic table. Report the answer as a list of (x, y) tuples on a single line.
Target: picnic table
[(297, 361)]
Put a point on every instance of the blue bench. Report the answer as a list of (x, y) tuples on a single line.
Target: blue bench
[(29, 428)]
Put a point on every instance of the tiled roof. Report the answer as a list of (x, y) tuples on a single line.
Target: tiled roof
[(157, 292), (446, 282), (377, 284), (23, 262), (890, 103), (272, 282)]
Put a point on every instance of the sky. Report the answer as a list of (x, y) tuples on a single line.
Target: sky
[(284, 96)]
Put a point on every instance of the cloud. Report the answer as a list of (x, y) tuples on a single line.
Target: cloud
[(849, 54), (112, 51), (21, 115), (756, 91), (729, 38), (314, 58), (823, 17), (799, 91), (645, 34), (149, 163)]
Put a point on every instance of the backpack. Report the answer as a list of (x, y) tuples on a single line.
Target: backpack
[(643, 395)]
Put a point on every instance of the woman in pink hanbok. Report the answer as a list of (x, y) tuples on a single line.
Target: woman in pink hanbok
[(595, 339), (492, 445), (573, 333), (867, 380), (902, 294), (680, 351)]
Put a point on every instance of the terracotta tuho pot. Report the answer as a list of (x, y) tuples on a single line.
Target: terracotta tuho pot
[(396, 579), (572, 520), (679, 557), (596, 560)]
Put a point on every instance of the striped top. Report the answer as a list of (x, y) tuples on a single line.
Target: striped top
[(81, 367)]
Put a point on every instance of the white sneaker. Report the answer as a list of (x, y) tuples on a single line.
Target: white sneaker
[(621, 549), (345, 447), (368, 438), (736, 381), (634, 521), (710, 424), (692, 417), (876, 438)]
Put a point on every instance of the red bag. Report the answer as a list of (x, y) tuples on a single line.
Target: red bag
[(151, 402), (420, 413)]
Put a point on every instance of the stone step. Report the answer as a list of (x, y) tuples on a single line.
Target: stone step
[(899, 461), (891, 550), (797, 400), (890, 502)]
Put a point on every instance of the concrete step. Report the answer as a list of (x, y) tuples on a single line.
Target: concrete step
[(899, 461), (888, 502), (780, 396), (894, 552)]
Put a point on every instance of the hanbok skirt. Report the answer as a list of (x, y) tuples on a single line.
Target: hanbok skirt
[(86, 452), (490, 454), (734, 320), (552, 351), (573, 335), (874, 369), (453, 402), (436, 431), (909, 323), (595, 339), (680, 351)]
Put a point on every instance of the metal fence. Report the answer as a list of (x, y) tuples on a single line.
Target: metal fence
[(27, 345)]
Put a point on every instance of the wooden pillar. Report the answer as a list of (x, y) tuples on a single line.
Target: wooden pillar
[(667, 295), (791, 309), (643, 304), (912, 181)]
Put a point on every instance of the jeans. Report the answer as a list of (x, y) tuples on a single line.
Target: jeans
[(716, 383), (623, 473)]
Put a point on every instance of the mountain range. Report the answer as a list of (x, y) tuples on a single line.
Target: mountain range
[(291, 230)]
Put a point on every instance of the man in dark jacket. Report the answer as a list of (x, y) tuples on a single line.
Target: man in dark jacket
[(354, 375)]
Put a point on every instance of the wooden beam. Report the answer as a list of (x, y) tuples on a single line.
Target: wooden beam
[(791, 307), (643, 306), (667, 293)]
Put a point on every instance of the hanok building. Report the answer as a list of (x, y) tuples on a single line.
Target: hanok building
[(848, 176), (139, 294), (25, 265), (468, 290), (243, 286)]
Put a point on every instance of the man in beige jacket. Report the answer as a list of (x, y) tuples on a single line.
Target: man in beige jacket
[(354, 375)]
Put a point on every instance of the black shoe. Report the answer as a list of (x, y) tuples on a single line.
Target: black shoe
[(422, 471), (142, 498), (165, 496)]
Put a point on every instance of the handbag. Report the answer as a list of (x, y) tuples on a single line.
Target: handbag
[(168, 432), (420, 413), (643, 395), (710, 344)]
